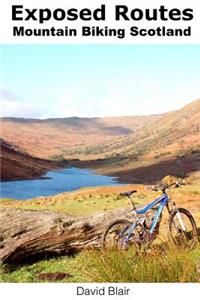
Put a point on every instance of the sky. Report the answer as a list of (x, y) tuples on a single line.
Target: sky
[(47, 81)]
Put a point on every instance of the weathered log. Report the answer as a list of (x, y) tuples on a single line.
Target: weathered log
[(28, 233)]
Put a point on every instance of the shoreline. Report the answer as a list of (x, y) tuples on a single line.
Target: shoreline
[(61, 180), (179, 166), (155, 171), (40, 174)]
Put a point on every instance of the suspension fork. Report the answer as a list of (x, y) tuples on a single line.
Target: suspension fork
[(181, 220), (177, 213)]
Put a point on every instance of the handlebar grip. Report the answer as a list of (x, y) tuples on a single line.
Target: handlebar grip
[(166, 186)]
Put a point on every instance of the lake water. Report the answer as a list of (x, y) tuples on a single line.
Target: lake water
[(58, 181)]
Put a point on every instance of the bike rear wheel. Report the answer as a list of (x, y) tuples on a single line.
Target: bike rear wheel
[(182, 228), (114, 235)]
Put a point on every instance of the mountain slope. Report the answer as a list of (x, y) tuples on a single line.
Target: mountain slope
[(171, 145), (174, 132), (124, 146), (59, 137), (16, 164)]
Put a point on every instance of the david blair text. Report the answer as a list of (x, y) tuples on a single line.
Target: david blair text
[(103, 291)]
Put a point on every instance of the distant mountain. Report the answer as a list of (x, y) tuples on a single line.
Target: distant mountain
[(128, 147), (173, 133), (56, 138), (173, 141), (16, 164)]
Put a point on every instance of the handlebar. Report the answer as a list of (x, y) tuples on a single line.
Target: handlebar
[(156, 188), (164, 187)]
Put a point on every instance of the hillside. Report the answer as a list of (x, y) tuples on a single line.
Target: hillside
[(56, 138), (171, 145), (135, 149), (173, 131), (16, 164)]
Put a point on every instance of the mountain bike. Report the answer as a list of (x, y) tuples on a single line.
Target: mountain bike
[(122, 233)]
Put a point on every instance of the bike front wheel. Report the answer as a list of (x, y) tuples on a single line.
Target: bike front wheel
[(182, 228), (115, 234)]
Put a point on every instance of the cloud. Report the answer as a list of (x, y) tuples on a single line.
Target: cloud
[(115, 99), (12, 106), (7, 94)]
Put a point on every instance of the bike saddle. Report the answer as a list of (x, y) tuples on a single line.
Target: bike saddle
[(128, 194)]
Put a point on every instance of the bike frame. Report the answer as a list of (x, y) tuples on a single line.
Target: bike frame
[(136, 229), (163, 200)]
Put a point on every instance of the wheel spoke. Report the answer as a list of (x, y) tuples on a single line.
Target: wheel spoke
[(183, 229), (120, 235)]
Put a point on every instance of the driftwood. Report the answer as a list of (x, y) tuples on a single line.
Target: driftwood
[(28, 233)]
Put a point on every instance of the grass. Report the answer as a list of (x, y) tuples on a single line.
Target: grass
[(172, 265), (30, 272), (83, 202), (91, 200)]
